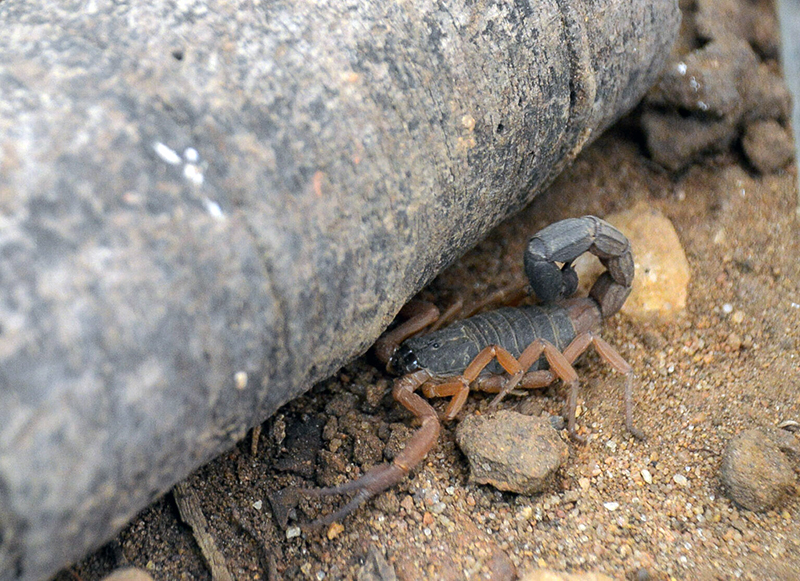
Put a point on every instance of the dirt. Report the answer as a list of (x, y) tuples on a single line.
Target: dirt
[(728, 363)]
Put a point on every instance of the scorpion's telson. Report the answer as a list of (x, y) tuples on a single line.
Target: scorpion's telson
[(498, 351)]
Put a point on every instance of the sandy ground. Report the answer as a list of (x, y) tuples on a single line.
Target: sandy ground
[(728, 363)]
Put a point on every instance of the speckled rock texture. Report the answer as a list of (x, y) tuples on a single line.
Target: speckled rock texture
[(716, 92), (206, 207), (755, 473), (512, 451)]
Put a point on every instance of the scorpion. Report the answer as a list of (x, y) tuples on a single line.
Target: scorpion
[(501, 350)]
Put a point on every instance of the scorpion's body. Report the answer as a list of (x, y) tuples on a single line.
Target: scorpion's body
[(448, 352), (501, 350)]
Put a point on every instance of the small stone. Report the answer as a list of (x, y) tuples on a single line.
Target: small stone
[(511, 451), (646, 476), (767, 145), (584, 483), (128, 574), (387, 502), (334, 530), (500, 566), (407, 503), (737, 317), (525, 514), (680, 480), (755, 473), (612, 506), (661, 279), (375, 567), (292, 532), (258, 504)]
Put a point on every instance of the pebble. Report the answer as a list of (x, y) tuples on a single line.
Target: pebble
[(334, 530), (128, 574), (755, 473), (612, 506), (661, 279), (407, 503), (511, 451), (550, 575), (646, 476), (767, 145), (292, 532), (376, 567), (680, 480)]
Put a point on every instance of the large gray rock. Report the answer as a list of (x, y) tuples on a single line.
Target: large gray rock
[(206, 207)]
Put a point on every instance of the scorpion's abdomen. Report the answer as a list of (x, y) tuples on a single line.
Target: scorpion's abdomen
[(449, 351)]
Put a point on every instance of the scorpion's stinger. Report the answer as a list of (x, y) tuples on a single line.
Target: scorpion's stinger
[(565, 241)]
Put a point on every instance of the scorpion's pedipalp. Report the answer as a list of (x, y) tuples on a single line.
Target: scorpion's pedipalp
[(418, 314), (387, 475), (373, 482)]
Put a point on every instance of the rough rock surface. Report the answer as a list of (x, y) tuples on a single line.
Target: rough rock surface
[(768, 145), (511, 451), (755, 472), (714, 89)]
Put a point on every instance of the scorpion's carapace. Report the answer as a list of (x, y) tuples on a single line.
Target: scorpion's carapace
[(498, 351)]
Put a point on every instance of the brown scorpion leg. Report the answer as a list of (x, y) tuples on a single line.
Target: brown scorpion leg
[(560, 367), (531, 380), (459, 386), (508, 296), (386, 475), (614, 359)]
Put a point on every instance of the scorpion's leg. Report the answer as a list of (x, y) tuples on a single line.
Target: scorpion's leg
[(530, 380), (386, 475), (560, 367), (459, 386), (610, 355), (509, 296)]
